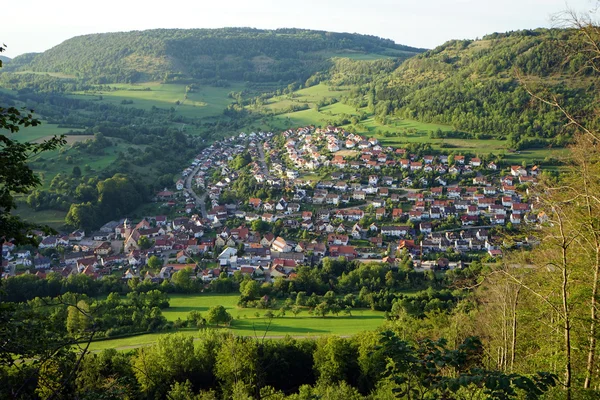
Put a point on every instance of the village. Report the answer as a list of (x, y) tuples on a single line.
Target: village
[(331, 193)]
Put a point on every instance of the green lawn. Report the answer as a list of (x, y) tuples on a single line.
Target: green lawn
[(245, 322)]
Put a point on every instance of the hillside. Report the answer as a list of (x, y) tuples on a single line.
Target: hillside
[(255, 55), (4, 60), (473, 86)]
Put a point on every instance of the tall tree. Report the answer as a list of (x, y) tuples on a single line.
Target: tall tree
[(16, 177)]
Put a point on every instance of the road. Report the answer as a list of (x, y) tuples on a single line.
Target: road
[(261, 160), (201, 200)]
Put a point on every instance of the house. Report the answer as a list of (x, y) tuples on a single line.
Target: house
[(520, 208), (517, 170), (425, 227), (332, 198), (227, 255), (475, 162), (357, 232), (179, 185), (281, 246), (49, 242), (395, 230), (349, 252), (337, 239), (515, 219), (359, 195), (268, 217), (41, 262), (77, 235), (376, 241), (103, 250), (255, 202)]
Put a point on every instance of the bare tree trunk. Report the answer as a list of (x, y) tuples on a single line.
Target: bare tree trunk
[(513, 347), (593, 323), (565, 308), (504, 328)]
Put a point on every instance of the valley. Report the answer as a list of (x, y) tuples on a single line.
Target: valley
[(291, 213)]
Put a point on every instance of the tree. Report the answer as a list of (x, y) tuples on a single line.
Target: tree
[(171, 359), (76, 172), (322, 309), (16, 177), (183, 280), (431, 370), (218, 315), (78, 319), (155, 262), (145, 242), (249, 290), (81, 215)]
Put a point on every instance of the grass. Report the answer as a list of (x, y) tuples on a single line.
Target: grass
[(396, 132), (53, 218), (206, 101), (245, 323), (42, 131)]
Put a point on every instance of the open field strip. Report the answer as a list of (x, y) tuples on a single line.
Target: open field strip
[(246, 323)]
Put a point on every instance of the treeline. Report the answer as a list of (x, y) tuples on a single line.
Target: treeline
[(247, 54), (116, 197), (80, 315), (222, 366)]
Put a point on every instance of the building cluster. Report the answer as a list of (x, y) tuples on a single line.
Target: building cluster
[(377, 202)]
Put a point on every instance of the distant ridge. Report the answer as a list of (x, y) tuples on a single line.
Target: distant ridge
[(256, 55)]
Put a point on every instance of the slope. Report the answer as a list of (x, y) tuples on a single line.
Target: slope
[(474, 86), (247, 54)]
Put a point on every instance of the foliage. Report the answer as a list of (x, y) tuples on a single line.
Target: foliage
[(218, 315), (218, 54)]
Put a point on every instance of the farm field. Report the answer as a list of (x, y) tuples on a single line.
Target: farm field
[(245, 323), (205, 101), (43, 131)]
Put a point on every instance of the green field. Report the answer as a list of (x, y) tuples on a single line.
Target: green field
[(245, 322), (206, 101), (396, 132), (33, 133), (52, 218)]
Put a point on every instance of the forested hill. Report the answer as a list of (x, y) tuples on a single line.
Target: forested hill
[(284, 55), (474, 86), (4, 60)]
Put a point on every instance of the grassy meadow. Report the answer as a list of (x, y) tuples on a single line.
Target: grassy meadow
[(396, 132), (205, 101), (43, 131), (246, 323)]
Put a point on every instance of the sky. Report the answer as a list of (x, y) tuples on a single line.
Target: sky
[(37, 25)]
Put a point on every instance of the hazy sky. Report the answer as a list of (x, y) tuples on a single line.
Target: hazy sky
[(37, 25)]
